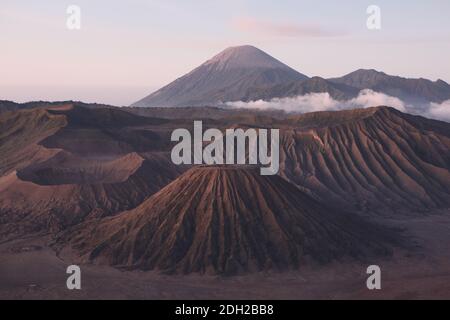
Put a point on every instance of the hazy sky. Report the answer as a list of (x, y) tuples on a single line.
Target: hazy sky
[(126, 49)]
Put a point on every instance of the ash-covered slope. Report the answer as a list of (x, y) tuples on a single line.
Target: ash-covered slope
[(63, 165), (225, 77), (373, 160), (226, 220)]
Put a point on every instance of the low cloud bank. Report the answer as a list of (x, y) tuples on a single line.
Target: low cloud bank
[(440, 111), (324, 102), (307, 103)]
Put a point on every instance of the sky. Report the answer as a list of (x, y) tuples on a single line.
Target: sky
[(127, 49)]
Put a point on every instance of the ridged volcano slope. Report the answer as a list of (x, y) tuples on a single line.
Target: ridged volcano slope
[(376, 159), (226, 220)]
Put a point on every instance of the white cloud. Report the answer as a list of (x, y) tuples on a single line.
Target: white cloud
[(323, 102), (307, 103), (369, 98), (440, 111)]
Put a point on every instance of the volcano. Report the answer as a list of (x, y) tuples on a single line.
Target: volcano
[(206, 222), (226, 77), (62, 165), (246, 73)]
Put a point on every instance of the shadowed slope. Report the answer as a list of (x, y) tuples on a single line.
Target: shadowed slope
[(226, 220), (376, 159), (20, 133), (67, 164), (57, 198)]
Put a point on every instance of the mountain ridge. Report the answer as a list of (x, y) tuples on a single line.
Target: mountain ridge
[(246, 73), (408, 89)]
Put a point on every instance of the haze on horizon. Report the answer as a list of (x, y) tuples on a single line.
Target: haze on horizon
[(126, 50)]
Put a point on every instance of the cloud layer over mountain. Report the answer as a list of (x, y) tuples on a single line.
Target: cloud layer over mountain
[(367, 98)]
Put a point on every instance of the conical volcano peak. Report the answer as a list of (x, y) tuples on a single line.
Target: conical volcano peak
[(245, 56), (205, 222), (228, 76)]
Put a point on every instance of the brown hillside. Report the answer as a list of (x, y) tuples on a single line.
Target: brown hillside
[(376, 159), (226, 220), (67, 164)]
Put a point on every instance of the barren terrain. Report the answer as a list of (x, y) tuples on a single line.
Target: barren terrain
[(95, 186)]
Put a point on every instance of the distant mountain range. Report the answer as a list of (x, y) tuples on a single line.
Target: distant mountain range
[(409, 90), (246, 73)]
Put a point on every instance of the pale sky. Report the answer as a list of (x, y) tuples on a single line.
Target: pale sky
[(127, 49)]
